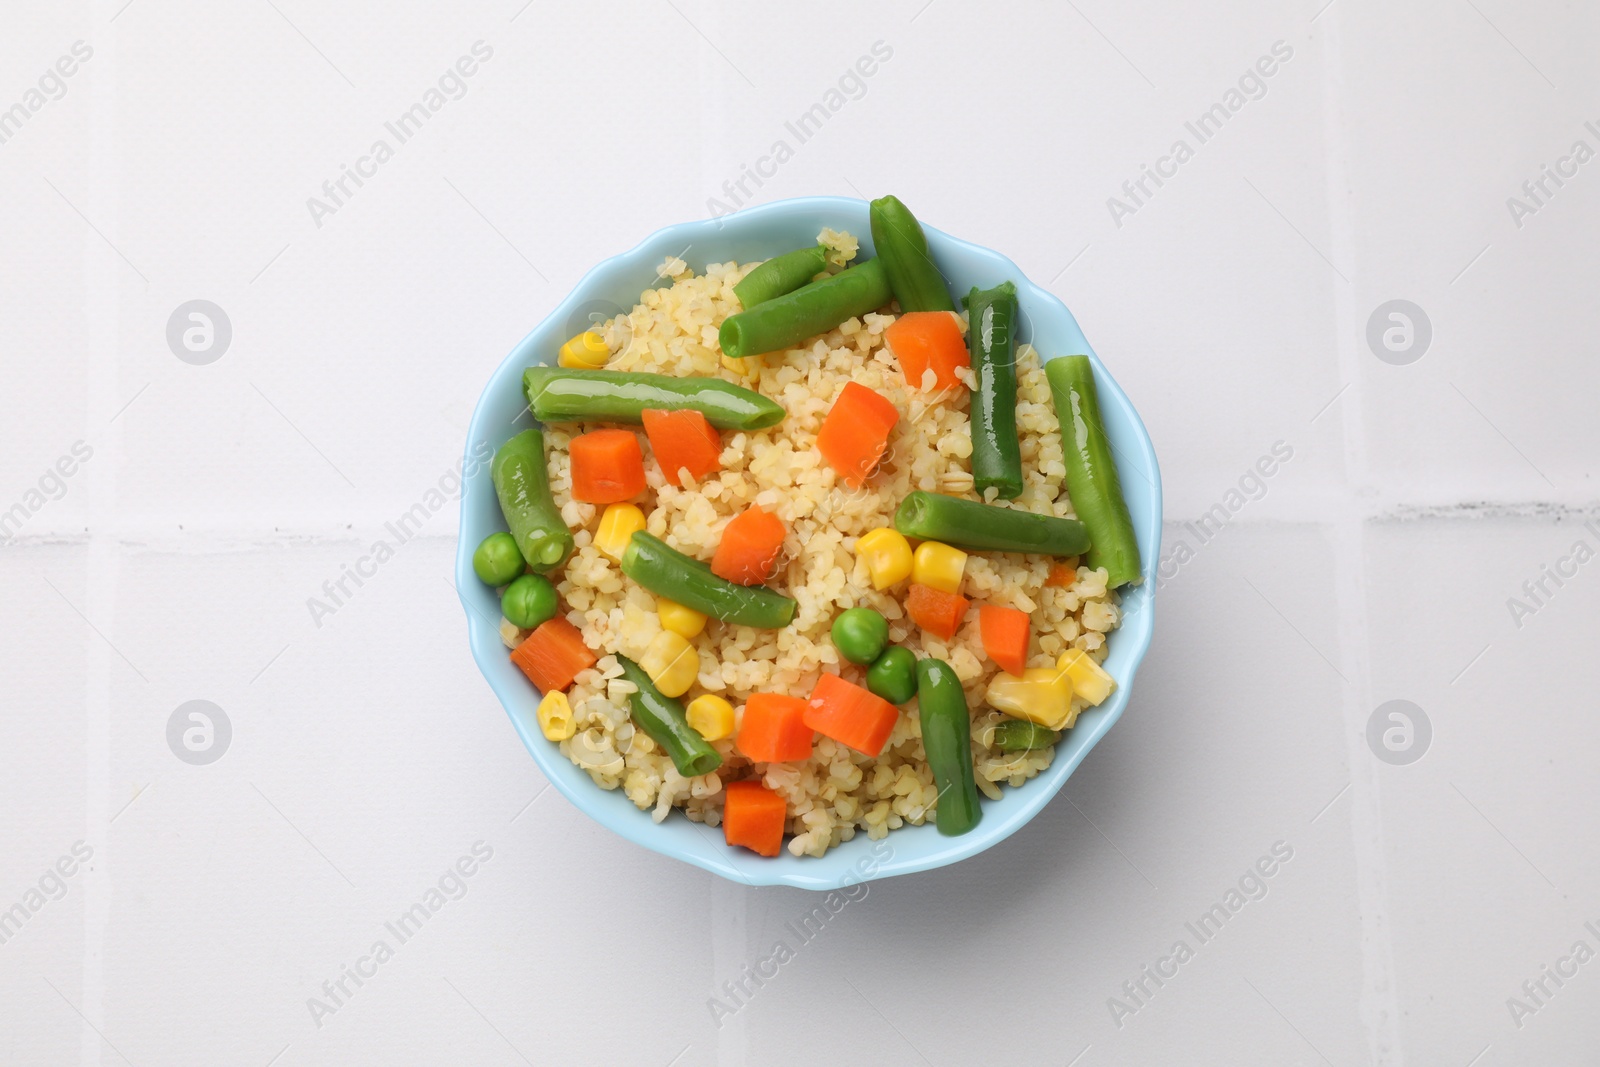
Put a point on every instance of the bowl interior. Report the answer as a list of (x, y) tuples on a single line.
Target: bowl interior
[(759, 233)]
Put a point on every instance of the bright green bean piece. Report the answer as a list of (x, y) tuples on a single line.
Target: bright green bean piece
[(560, 394), (992, 343), (903, 247), (522, 483), (808, 311), (947, 740), (1092, 480), (781, 274), (986, 527)]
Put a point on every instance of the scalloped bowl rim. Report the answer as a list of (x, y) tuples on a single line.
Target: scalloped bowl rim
[(736, 237)]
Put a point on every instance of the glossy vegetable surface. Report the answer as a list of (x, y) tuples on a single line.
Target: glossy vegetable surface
[(753, 816), (685, 580), (860, 635), (903, 247), (947, 739), (992, 342), (683, 440), (556, 394), (1092, 480), (607, 466), (853, 716), (553, 655), (929, 349), (935, 611), (986, 527), (522, 483), (497, 559), (855, 432), (893, 675), (780, 275), (529, 601), (666, 723), (748, 550), (773, 729), (812, 309)]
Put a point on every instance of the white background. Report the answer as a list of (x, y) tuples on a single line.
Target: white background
[(367, 753)]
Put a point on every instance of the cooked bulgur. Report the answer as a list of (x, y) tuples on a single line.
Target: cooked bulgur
[(837, 792)]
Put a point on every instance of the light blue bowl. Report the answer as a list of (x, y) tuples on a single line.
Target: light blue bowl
[(759, 233)]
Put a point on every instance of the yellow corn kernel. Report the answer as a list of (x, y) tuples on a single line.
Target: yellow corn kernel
[(618, 524), (888, 556), (710, 716), (555, 716), (938, 566), (1089, 680), (671, 662), (748, 368), (587, 351), (685, 622), (1042, 695)]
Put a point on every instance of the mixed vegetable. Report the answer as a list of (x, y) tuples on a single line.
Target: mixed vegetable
[(921, 558)]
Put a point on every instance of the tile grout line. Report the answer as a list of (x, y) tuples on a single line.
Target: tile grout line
[(103, 299), (1379, 1005)]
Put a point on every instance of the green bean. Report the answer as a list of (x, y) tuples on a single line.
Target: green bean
[(1092, 480), (522, 483), (986, 527), (560, 394), (787, 320), (666, 723), (1019, 735), (903, 247), (781, 274), (682, 579), (992, 341), (947, 740)]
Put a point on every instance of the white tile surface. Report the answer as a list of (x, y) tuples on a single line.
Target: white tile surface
[(367, 754)]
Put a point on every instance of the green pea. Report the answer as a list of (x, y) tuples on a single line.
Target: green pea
[(498, 560), (860, 635), (893, 675), (529, 601)]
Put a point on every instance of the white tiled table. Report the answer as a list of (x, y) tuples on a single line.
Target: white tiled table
[(367, 756)]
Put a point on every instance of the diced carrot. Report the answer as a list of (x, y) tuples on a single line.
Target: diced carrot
[(850, 715), (553, 655), (856, 432), (773, 729), (607, 466), (929, 340), (753, 816), (1005, 636), (749, 547), (1063, 573), (683, 440), (937, 612)]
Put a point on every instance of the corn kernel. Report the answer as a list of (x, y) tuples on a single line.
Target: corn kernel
[(618, 524), (555, 716), (938, 566), (888, 556), (710, 716), (587, 351), (748, 368), (1042, 695), (671, 662), (1089, 680), (685, 622)]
